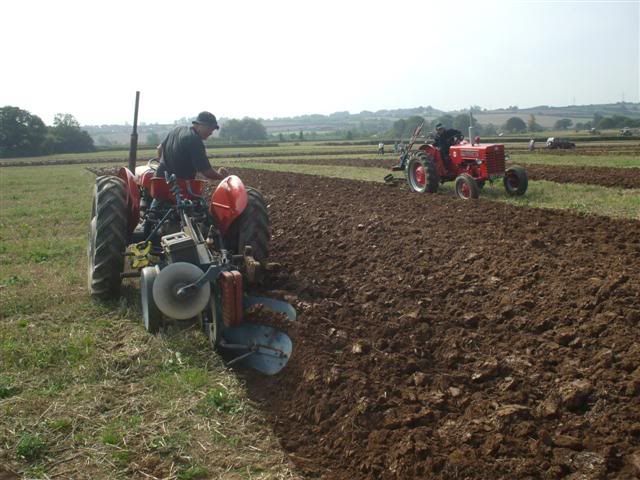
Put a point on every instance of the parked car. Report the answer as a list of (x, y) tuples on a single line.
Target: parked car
[(554, 142), (626, 132)]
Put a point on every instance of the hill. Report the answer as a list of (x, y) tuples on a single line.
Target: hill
[(375, 121)]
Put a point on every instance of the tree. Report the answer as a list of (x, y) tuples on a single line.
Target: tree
[(245, 129), (301, 135), (153, 139), (412, 123), (606, 123), (446, 120), (489, 129), (532, 125), (596, 119), (66, 136), (461, 122), (563, 124), (21, 133), (515, 125), (404, 128)]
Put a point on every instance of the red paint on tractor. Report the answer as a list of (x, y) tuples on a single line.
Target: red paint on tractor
[(228, 201), (189, 189), (133, 197), (421, 178), (144, 176)]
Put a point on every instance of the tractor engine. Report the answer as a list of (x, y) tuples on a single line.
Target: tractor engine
[(485, 161)]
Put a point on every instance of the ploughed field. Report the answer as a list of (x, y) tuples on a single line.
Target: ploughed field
[(438, 338)]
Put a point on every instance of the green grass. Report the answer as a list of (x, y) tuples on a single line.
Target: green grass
[(592, 199), (30, 447)]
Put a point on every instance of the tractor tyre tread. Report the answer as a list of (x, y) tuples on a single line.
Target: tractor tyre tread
[(432, 180), (109, 240), (523, 181), (252, 227), (472, 185)]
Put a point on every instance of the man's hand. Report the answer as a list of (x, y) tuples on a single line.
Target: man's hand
[(223, 172)]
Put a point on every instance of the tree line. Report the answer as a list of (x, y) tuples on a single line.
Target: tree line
[(23, 134), (404, 127)]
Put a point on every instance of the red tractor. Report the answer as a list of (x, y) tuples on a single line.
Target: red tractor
[(470, 166), (194, 256)]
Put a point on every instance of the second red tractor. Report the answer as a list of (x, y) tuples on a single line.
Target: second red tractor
[(470, 166)]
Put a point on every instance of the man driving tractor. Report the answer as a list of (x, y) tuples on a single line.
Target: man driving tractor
[(183, 152), (444, 138)]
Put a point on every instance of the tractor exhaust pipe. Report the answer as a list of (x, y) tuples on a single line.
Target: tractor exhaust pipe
[(133, 146)]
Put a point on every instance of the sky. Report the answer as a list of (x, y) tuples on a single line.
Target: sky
[(280, 58)]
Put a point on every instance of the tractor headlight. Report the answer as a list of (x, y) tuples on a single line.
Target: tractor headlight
[(478, 162)]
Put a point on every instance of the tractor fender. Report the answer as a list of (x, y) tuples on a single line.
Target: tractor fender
[(133, 198), (228, 201), (143, 177)]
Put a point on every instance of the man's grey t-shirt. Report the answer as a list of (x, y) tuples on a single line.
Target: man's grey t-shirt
[(183, 154)]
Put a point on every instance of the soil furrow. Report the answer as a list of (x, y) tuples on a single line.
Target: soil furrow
[(447, 339)]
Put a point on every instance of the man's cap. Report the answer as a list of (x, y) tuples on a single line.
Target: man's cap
[(207, 119), (439, 126)]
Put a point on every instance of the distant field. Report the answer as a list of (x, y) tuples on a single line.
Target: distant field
[(313, 159)]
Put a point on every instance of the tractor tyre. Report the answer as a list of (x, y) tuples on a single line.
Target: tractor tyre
[(422, 174), (252, 228), (515, 181), (151, 315), (107, 237), (467, 187)]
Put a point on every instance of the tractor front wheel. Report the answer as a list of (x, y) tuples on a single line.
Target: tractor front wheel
[(107, 237), (422, 174), (467, 187), (251, 228), (515, 181)]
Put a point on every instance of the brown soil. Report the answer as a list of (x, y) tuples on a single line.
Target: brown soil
[(603, 176), (445, 339)]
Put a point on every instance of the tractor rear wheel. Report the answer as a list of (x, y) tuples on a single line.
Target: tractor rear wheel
[(107, 237), (422, 174), (467, 187), (251, 228), (515, 181)]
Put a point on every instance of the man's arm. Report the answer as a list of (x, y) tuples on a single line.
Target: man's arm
[(212, 174)]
